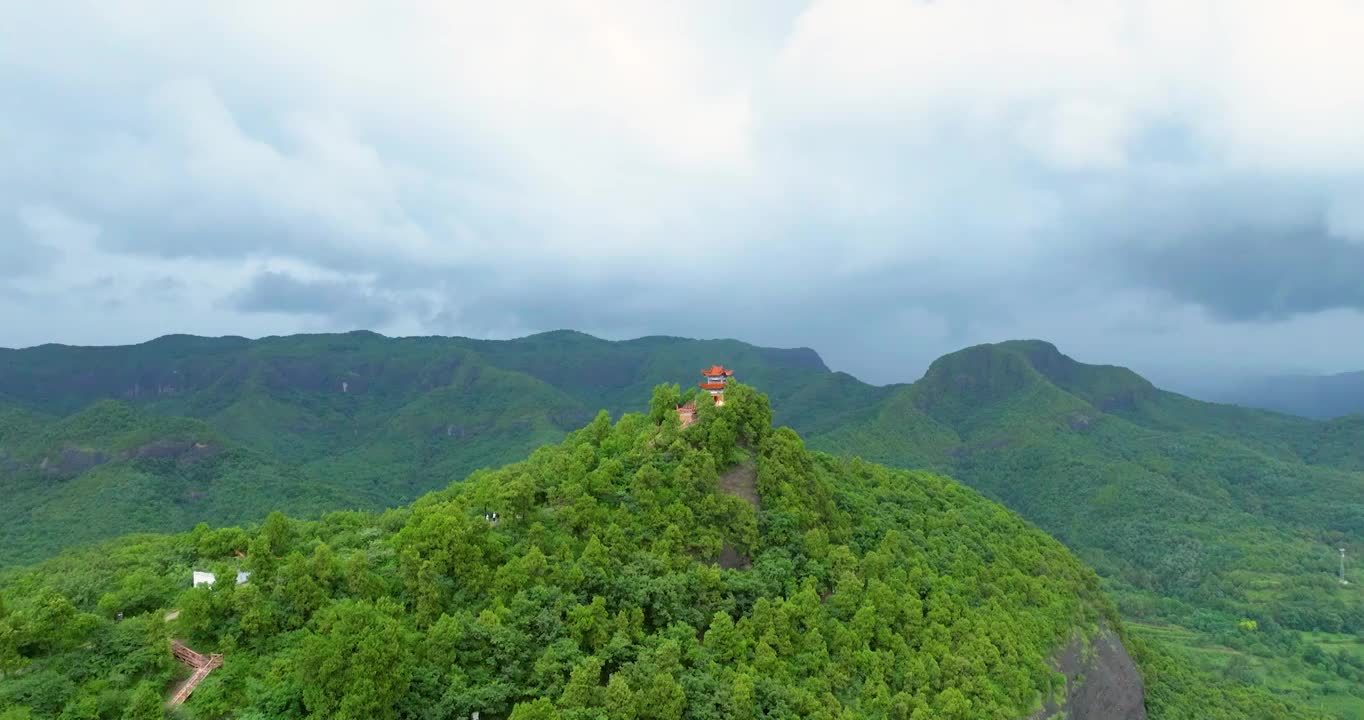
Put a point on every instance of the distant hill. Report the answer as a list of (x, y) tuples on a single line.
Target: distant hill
[(1201, 518), (1163, 494), (113, 468), (1315, 396), (336, 421)]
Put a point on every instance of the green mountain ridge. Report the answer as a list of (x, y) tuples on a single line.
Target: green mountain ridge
[(112, 468), (603, 593), (1198, 516)]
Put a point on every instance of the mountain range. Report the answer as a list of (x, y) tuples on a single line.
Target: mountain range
[(644, 570), (1202, 519)]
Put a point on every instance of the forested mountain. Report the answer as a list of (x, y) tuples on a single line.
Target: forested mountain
[(640, 570), (1161, 493), (1215, 526), (1204, 520), (113, 467), (1315, 396), (95, 442)]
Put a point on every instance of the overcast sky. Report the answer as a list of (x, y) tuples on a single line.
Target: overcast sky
[(1177, 186)]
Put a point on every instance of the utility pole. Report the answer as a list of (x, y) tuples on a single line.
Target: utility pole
[(1343, 581)]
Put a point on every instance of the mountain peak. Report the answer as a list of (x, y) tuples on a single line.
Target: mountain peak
[(563, 335), (991, 372)]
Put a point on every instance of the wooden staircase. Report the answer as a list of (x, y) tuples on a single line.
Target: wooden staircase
[(203, 665)]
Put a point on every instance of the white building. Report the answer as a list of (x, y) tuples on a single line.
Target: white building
[(208, 578)]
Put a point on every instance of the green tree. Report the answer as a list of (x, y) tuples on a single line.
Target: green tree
[(145, 704), (722, 640), (620, 699), (12, 637), (220, 543), (540, 709), (584, 688), (662, 698), (277, 531), (743, 703), (750, 410), (356, 664), (663, 404)]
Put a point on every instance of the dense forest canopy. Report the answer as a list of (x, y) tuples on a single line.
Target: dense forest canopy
[(1202, 520), (626, 577), (859, 590)]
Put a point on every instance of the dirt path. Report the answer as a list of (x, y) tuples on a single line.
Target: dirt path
[(742, 481)]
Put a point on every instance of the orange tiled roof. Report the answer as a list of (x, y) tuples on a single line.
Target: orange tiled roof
[(717, 370)]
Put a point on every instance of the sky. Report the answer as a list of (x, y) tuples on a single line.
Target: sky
[(1175, 186)]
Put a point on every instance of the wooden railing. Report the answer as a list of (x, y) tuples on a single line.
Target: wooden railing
[(186, 655), (203, 665)]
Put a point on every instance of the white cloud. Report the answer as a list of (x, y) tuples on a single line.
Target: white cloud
[(509, 165), (1079, 135)]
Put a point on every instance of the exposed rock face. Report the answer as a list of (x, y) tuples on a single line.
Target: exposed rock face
[(742, 482), (187, 452), (70, 462), (1102, 682), (1079, 421)]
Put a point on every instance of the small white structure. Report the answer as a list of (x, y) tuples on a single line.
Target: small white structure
[(208, 578)]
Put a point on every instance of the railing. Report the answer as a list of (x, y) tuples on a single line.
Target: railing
[(202, 667), (187, 656)]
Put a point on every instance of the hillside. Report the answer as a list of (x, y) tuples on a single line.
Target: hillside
[(620, 582), (1199, 517), (352, 422), (1126, 473), (111, 469)]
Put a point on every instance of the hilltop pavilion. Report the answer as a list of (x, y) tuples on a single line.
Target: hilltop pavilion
[(713, 382)]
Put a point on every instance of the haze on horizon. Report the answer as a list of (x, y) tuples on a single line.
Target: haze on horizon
[(1173, 186)]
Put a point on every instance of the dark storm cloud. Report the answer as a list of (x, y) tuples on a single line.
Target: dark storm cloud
[(1256, 274), (1246, 249), (344, 302)]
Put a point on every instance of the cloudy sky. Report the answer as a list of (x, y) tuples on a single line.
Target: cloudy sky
[(1176, 185)]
